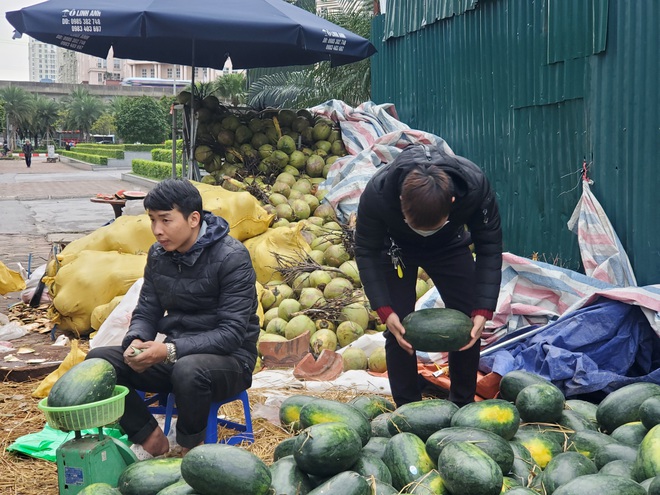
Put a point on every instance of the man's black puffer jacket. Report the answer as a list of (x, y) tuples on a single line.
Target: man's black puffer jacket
[(204, 300), (380, 218)]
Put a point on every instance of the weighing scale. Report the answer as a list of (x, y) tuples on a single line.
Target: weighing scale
[(88, 459)]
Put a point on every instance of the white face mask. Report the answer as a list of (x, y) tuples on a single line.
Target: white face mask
[(427, 233)]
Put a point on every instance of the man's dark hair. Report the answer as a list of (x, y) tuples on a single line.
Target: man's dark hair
[(172, 194), (426, 195)]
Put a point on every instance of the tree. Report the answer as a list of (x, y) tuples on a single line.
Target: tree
[(231, 87), (320, 82), (104, 125), (142, 120), (84, 109), (43, 117), (18, 107)]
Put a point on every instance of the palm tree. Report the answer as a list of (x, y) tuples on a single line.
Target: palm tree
[(83, 110), (318, 83), (231, 87), (44, 117), (18, 108)]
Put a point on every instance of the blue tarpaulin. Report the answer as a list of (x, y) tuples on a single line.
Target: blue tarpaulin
[(600, 347)]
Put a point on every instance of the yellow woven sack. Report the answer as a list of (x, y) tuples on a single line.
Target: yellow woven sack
[(91, 279), (74, 357), (243, 212), (101, 312), (10, 281), (285, 241), (127, 234)]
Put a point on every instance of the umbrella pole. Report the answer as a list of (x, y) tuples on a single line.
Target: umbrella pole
[(193, 171)]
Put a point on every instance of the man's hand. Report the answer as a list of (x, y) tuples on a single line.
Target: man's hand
[(142, 355), (478, 322), (396, 328)]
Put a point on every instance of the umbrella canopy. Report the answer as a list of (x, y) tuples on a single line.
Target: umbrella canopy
[(203, 33)]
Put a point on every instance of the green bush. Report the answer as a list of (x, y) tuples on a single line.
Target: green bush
[(164, 155), (87, 146), (100, 150), (84, 157), (143, 147), (179, 144), (154, 170)]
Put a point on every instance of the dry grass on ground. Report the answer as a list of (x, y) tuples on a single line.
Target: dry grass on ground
[(19, 415)]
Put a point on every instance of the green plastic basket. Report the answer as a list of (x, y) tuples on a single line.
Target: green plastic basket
[(85, 416)]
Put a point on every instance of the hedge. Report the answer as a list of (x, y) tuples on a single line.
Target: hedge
[(179, 144), (95, 146), (163, 155), (143, 147), (100, 151), (154, 170), (84, 157)]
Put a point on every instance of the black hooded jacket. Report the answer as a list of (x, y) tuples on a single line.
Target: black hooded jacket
[(203, 300), (380, 219)]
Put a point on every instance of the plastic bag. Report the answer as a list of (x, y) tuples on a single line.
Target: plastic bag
[(11, 331), (74, 357), (115, 326)]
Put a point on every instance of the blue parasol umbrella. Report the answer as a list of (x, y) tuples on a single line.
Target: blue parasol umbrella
[(203, 33)]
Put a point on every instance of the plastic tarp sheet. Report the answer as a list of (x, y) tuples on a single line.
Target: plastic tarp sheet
[(600, 347), (373, 137)]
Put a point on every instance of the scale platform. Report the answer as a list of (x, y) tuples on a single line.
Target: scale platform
[(89, 459)]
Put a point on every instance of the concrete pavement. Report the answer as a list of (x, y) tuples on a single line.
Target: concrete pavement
[(50, 203)]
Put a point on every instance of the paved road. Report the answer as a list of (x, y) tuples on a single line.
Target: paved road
[(48, 203)]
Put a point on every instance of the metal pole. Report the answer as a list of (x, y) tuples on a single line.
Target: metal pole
[(174, 141), (191, 133)]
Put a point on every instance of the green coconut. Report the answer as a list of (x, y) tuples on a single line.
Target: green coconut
[(281, 290), (284, 211), (286, 178), (319, 279), (316, 255), (276, 326), (321, 244), (337, 287), (321, 131), (277, 199), (323, 339), (357, 313), (281, 188), (300, 282), (336, 255), (280, 222), (354, 358), (314, 166), (376, 361), (298, 160), (231, 122), (291, 170), (287, 307), (309, 296), (350, 270), (299, 325), (300, 209), (303, 185), (348, 332), (265, 150), (203, 154), (312, 201), (325, 211), (324, 324), (267, 299), (286, 144)]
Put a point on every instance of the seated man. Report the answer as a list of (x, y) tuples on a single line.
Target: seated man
[(199, 291)]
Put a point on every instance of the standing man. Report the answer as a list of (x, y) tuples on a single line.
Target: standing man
[(424, 209), (199, 291), (27, 151)]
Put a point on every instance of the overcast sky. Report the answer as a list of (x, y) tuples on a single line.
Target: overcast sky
[(13, 53)]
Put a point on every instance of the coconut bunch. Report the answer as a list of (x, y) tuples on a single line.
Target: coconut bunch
[(320, 291), (232, 143)]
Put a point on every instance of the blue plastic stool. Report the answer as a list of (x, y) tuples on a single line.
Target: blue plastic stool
[(163, 403)]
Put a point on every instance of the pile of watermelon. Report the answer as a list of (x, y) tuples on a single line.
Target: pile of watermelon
[(529, 441)]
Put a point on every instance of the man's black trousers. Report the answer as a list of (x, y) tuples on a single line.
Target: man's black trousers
[(196, 380), (453, 273)]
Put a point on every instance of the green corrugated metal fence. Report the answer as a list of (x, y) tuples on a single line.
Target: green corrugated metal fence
[(528, 90)]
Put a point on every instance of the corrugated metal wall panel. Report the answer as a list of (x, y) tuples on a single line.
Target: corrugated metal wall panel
[(576, 28), (407, 16), (482, 81), (624, 108)]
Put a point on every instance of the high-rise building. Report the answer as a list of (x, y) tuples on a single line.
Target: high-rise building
[(42, 61)]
